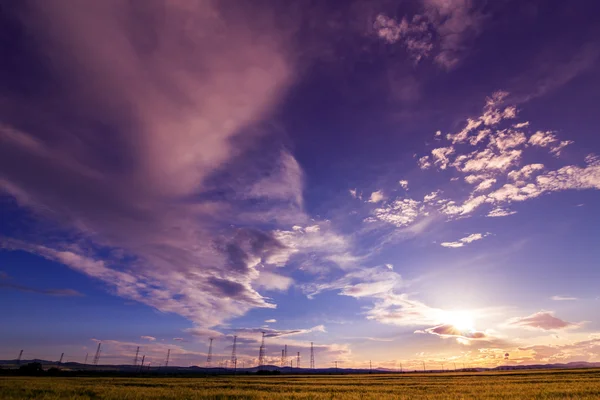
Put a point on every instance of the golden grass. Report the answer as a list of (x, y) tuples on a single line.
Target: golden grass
[(573, 384)]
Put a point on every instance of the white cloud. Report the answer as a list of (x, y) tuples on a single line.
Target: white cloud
[(484, 185), (466, 240), (500, 212), (376, 197), (424, 162), (542, 139), (508, 139), (270, 321), (475, 178), (148, 338), (403, 184), (488, 160), (431, 196), (556, 150), (401, 212), (440, 156), (526, 172)]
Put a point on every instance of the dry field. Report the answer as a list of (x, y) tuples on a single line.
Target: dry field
[(572, 384)]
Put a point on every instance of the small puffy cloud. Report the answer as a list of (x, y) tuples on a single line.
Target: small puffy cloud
[(521, 125), (178, 339), (542, 139), (400, 212), (563, 298), (148, 338), (376, 197), (489, 160), (440, 156), (544, 320), (424, 162), (558, 148), (403, 184), (466, 240), (485, 185), (431, 196), (270, 321), (390, 266), (526, 172), (471, 179)]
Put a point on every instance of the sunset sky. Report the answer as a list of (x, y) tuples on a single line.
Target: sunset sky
[(401, 182)]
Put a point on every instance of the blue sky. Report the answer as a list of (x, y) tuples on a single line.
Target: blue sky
[(398, 182)]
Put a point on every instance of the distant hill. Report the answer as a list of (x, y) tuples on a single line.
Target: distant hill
[(74, 366)]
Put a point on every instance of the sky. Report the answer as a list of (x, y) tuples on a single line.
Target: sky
[(396, 182)]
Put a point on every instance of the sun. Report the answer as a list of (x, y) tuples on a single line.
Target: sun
[(461, 320)]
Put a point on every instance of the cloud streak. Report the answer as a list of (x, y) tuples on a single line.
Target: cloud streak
[(544, 320)]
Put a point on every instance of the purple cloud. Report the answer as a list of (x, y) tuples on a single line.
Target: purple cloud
[(544, 320)]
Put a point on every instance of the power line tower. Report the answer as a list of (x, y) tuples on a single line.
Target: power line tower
[(282, 358), (209, 357), (261, 351), (233, 353), (298, 360), (61, 358), (142, 364), (97, 356), (168, 356), (312, 356), (285, 352), (19, 358), (137, 353), (86, 357)]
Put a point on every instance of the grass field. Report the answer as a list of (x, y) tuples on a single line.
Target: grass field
[(573, 384)]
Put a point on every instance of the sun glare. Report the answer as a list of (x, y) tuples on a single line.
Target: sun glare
[(461, 320)]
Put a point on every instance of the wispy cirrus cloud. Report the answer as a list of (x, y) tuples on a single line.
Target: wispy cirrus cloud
[(160, 223), (48, 292)]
